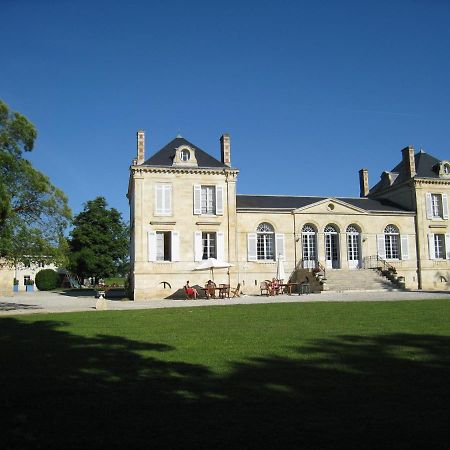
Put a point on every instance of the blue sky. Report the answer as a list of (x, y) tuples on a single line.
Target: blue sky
[(310, 91)]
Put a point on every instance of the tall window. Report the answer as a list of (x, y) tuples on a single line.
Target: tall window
[(265, 241), (208, 200), (391, 242), (352, 243), (439, 246), (331, 247), (163, 199), (163, 246), (308, 244), (436, 205), (209, 245)]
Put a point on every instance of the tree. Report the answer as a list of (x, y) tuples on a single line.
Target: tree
[(33, 213), (99, 241)]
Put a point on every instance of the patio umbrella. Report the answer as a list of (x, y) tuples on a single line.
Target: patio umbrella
[(211, 264), (281, 274)]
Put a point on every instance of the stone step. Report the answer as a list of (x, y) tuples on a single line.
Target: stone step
[(356, 280)]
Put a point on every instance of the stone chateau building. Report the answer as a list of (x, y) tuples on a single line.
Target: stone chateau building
[(184, 208)]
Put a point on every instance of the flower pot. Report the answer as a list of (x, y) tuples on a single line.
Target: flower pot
[(15, 288), (29, 288)]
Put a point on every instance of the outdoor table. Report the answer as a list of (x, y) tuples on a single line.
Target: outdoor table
[(223, 291), (287, 288)]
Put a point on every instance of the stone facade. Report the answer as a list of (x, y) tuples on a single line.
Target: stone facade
[(184, 208)]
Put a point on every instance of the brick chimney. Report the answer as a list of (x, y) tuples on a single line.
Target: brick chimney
[(225, 149), (140, 147), (409, 161), (363, 183)]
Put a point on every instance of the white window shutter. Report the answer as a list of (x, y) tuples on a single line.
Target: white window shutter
[(381, 248), (447, 246), (251, 246), (431, 246), (220, 246), (151, 245), (429, 205), (175, 236), (219, 200), (168, 199), (404, 246), (197, 199), (198, 247), (158, 199), (445, 206), (279, 246)]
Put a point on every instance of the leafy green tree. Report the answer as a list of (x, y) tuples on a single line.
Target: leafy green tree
[(33, 213), (99, 241)]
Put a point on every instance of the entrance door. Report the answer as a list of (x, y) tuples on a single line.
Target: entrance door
[(331, 247), (353, 247)]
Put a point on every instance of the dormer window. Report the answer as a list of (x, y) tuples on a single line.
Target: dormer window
[(185, 155), (443, 169)]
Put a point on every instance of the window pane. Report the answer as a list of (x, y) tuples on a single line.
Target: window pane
[(208, 200), (209, 245)]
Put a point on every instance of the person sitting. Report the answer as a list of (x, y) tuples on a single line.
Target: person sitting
[(210, 289), (274, 287), (190, 291)]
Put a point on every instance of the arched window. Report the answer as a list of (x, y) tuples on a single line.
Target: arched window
[(392, 242), (331, 246), (353, 243), (309, 252), (265, 241)]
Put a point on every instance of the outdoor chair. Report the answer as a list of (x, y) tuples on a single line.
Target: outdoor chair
[(236, 292), (224, 290), (211, 290), (265, 288)]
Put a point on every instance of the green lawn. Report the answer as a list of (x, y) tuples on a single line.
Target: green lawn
[(311, 375)]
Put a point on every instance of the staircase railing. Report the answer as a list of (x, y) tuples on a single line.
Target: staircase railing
[(376, 262)]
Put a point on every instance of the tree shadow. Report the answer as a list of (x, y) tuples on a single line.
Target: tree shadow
[(5, 306), (61, 390)]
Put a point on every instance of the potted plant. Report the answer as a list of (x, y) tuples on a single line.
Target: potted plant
[(29, 285), (16, 285)]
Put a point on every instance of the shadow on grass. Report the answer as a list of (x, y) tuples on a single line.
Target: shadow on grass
[(65, 391)]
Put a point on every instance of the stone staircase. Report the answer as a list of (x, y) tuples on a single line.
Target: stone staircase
[(357, 280)]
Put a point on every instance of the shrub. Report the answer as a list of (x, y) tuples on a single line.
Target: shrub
[(47, 280)]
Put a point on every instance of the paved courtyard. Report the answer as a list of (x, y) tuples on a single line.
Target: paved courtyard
[(44, 302)]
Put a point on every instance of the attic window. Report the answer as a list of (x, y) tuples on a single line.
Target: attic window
[(185, 155), (446, 169)]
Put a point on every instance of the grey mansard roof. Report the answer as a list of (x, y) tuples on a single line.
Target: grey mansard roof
[(293, 202), (164, 157), (425, 168)]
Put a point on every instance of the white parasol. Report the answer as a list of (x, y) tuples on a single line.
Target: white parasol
[(281, 274), (211, 264)]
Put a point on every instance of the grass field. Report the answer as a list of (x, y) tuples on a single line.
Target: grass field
[(328, 375)]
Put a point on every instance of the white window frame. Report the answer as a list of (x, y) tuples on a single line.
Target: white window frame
[(265, 242), (209, 244), (439, 246), (392, 245), (309, 246), (163, 199), (156, 246), (436, 206), (208, 200)]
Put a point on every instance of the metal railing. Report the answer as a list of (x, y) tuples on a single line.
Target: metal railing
[(376, 262)]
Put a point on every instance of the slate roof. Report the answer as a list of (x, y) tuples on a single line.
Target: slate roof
[(293, 202), (164, 157), (424, 169)]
